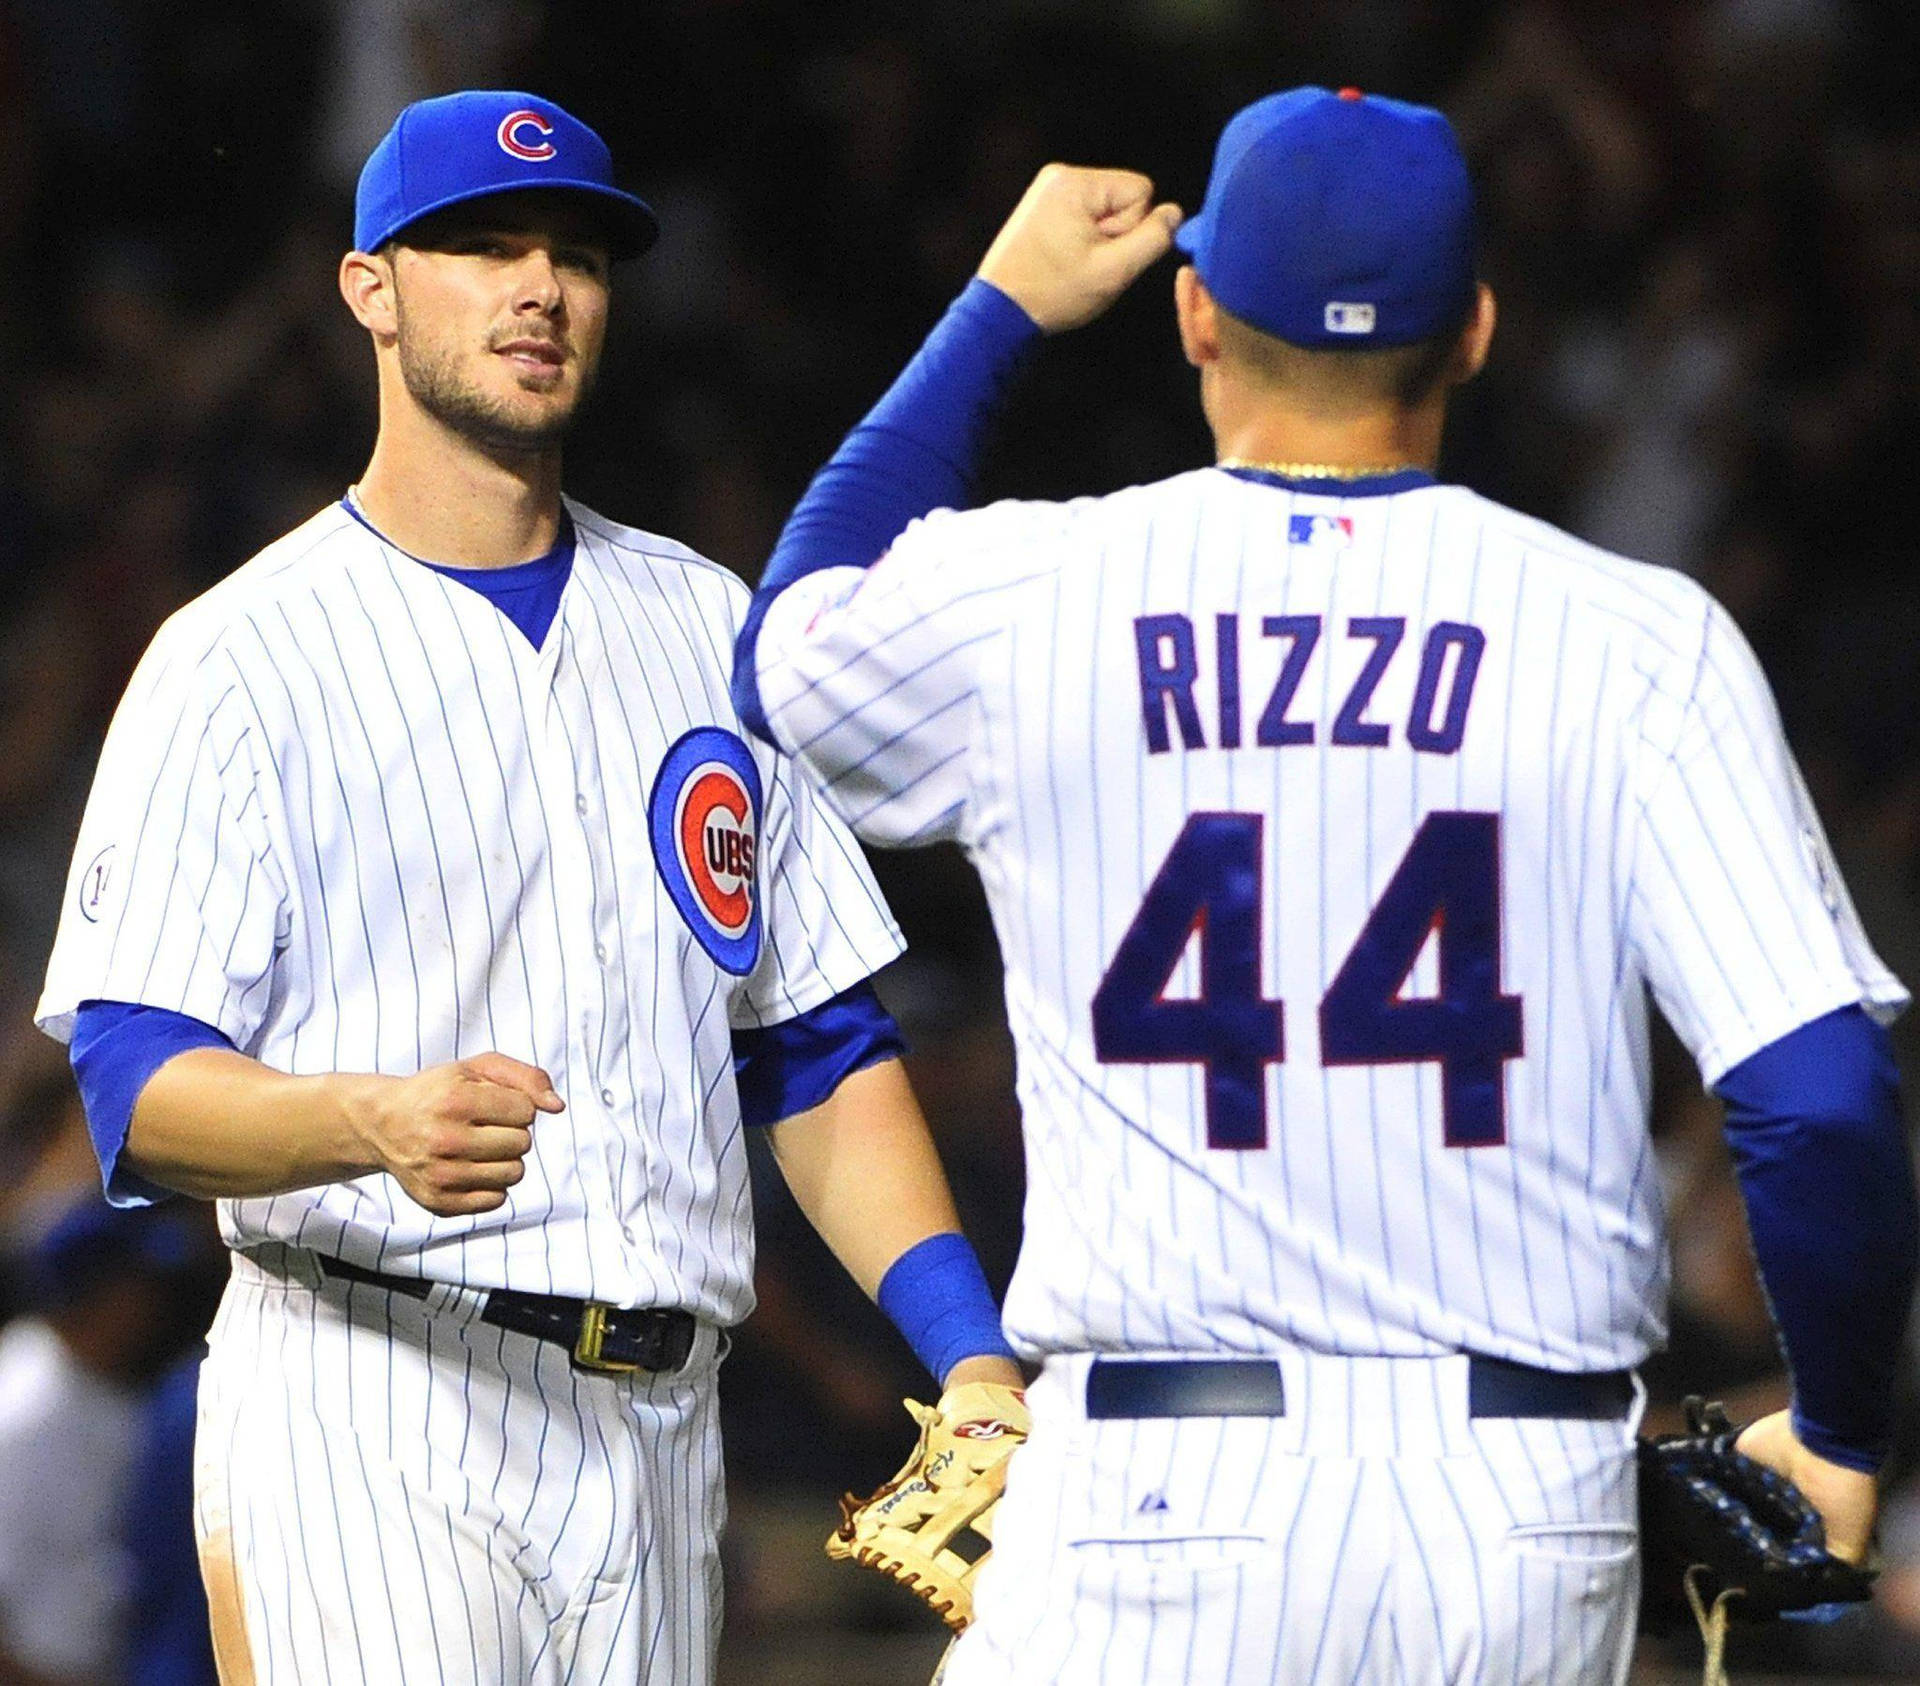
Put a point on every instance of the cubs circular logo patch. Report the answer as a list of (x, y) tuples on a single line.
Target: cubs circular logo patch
[(705, 819)]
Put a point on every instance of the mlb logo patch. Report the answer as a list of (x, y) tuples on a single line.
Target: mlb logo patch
[(1349, 318), (1329, 532)]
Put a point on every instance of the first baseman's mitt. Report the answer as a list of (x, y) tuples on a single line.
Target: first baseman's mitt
[(931, 1526), (1724, 1536)]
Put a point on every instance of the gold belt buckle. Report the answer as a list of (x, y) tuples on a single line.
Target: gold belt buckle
[(588, 1345)]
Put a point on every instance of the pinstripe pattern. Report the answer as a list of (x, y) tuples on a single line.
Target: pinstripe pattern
[(353, 819), (358, 823), (1374, 1535), (983, 683), (455, 1558)]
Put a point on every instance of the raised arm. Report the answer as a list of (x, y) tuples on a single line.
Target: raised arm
[(1075, 242)]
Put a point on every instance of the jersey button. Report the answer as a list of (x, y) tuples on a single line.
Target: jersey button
[(600, 952), (606, 1097), (579, 802)]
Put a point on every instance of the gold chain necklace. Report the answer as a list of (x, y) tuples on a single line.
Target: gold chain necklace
[(1322, 470)]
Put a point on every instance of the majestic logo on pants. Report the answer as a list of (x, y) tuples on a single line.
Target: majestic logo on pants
[(705, 819)]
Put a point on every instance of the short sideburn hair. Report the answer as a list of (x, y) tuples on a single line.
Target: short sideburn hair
[(1346, 378)]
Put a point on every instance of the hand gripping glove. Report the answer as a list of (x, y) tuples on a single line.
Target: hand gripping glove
[(931, 1526), (1725, 1536)]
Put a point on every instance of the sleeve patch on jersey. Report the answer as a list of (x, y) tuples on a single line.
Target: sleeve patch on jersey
[(704, 815), (97, 882)]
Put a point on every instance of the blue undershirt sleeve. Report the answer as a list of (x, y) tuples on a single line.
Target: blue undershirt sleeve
[(786, 1068), (1820, 1148), (116, 1047), (917, 450)]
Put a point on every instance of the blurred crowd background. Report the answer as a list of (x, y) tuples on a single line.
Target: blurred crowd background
[(1702, 218)]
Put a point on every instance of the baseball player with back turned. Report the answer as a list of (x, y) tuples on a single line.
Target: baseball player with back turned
[(1336, 823), (432, 913)]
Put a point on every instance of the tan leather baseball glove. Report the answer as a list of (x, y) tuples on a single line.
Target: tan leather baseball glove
[(931, 1526)]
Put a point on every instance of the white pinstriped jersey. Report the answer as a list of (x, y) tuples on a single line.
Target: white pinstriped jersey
[(1333, 845), (350, 817)]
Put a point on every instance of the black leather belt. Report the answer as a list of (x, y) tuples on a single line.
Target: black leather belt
[(1251, 1387), (602, 1338)]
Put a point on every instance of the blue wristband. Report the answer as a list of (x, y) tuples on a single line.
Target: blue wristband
[(937, 1296)]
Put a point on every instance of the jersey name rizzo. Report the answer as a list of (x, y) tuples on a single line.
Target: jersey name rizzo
[(1170, 664), (1335, 846)]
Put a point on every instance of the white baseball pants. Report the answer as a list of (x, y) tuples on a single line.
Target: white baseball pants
[(1375, 1533), (389, 1491)]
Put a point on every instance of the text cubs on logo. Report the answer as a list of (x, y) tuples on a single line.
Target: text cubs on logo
[(511, 136), (704, 816)]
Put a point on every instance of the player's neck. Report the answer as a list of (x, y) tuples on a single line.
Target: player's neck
[(1377, 441), (439, 496)]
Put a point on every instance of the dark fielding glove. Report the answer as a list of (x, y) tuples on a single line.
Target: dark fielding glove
[(1742, 1532)]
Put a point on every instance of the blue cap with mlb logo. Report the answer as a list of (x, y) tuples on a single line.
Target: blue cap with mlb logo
[(471, 145), (1337, 220)]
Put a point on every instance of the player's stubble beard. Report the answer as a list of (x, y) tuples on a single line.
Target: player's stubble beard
[(433, 379)]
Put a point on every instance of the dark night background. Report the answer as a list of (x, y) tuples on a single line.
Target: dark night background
[(1702, 218)]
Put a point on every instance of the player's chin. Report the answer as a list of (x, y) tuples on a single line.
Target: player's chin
[(533, 422)]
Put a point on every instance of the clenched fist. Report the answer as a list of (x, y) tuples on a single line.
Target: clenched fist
[(456, 1136), (1076, 241)]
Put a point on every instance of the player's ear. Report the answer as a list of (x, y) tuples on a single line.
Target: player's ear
[(366, 283), (1198, 316), (1476, 339)]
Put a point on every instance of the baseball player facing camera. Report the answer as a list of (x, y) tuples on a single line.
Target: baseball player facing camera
[(1337, 824), (432, 913)]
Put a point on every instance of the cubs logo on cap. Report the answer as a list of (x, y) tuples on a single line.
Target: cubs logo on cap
[(704, 815), (513, 130), (461, 147)]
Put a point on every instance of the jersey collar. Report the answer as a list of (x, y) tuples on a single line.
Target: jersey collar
[(1375, 486), (515, 574)]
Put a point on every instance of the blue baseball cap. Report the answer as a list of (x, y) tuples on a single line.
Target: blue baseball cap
[(90, 1241), (1337, 220), (472, 145)]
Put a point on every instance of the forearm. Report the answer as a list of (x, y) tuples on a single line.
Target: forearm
[(216, 1124), (917, 450), (1814, 1124), (863, 1168)]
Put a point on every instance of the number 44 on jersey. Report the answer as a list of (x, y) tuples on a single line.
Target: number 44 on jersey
[(1446, 888)]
